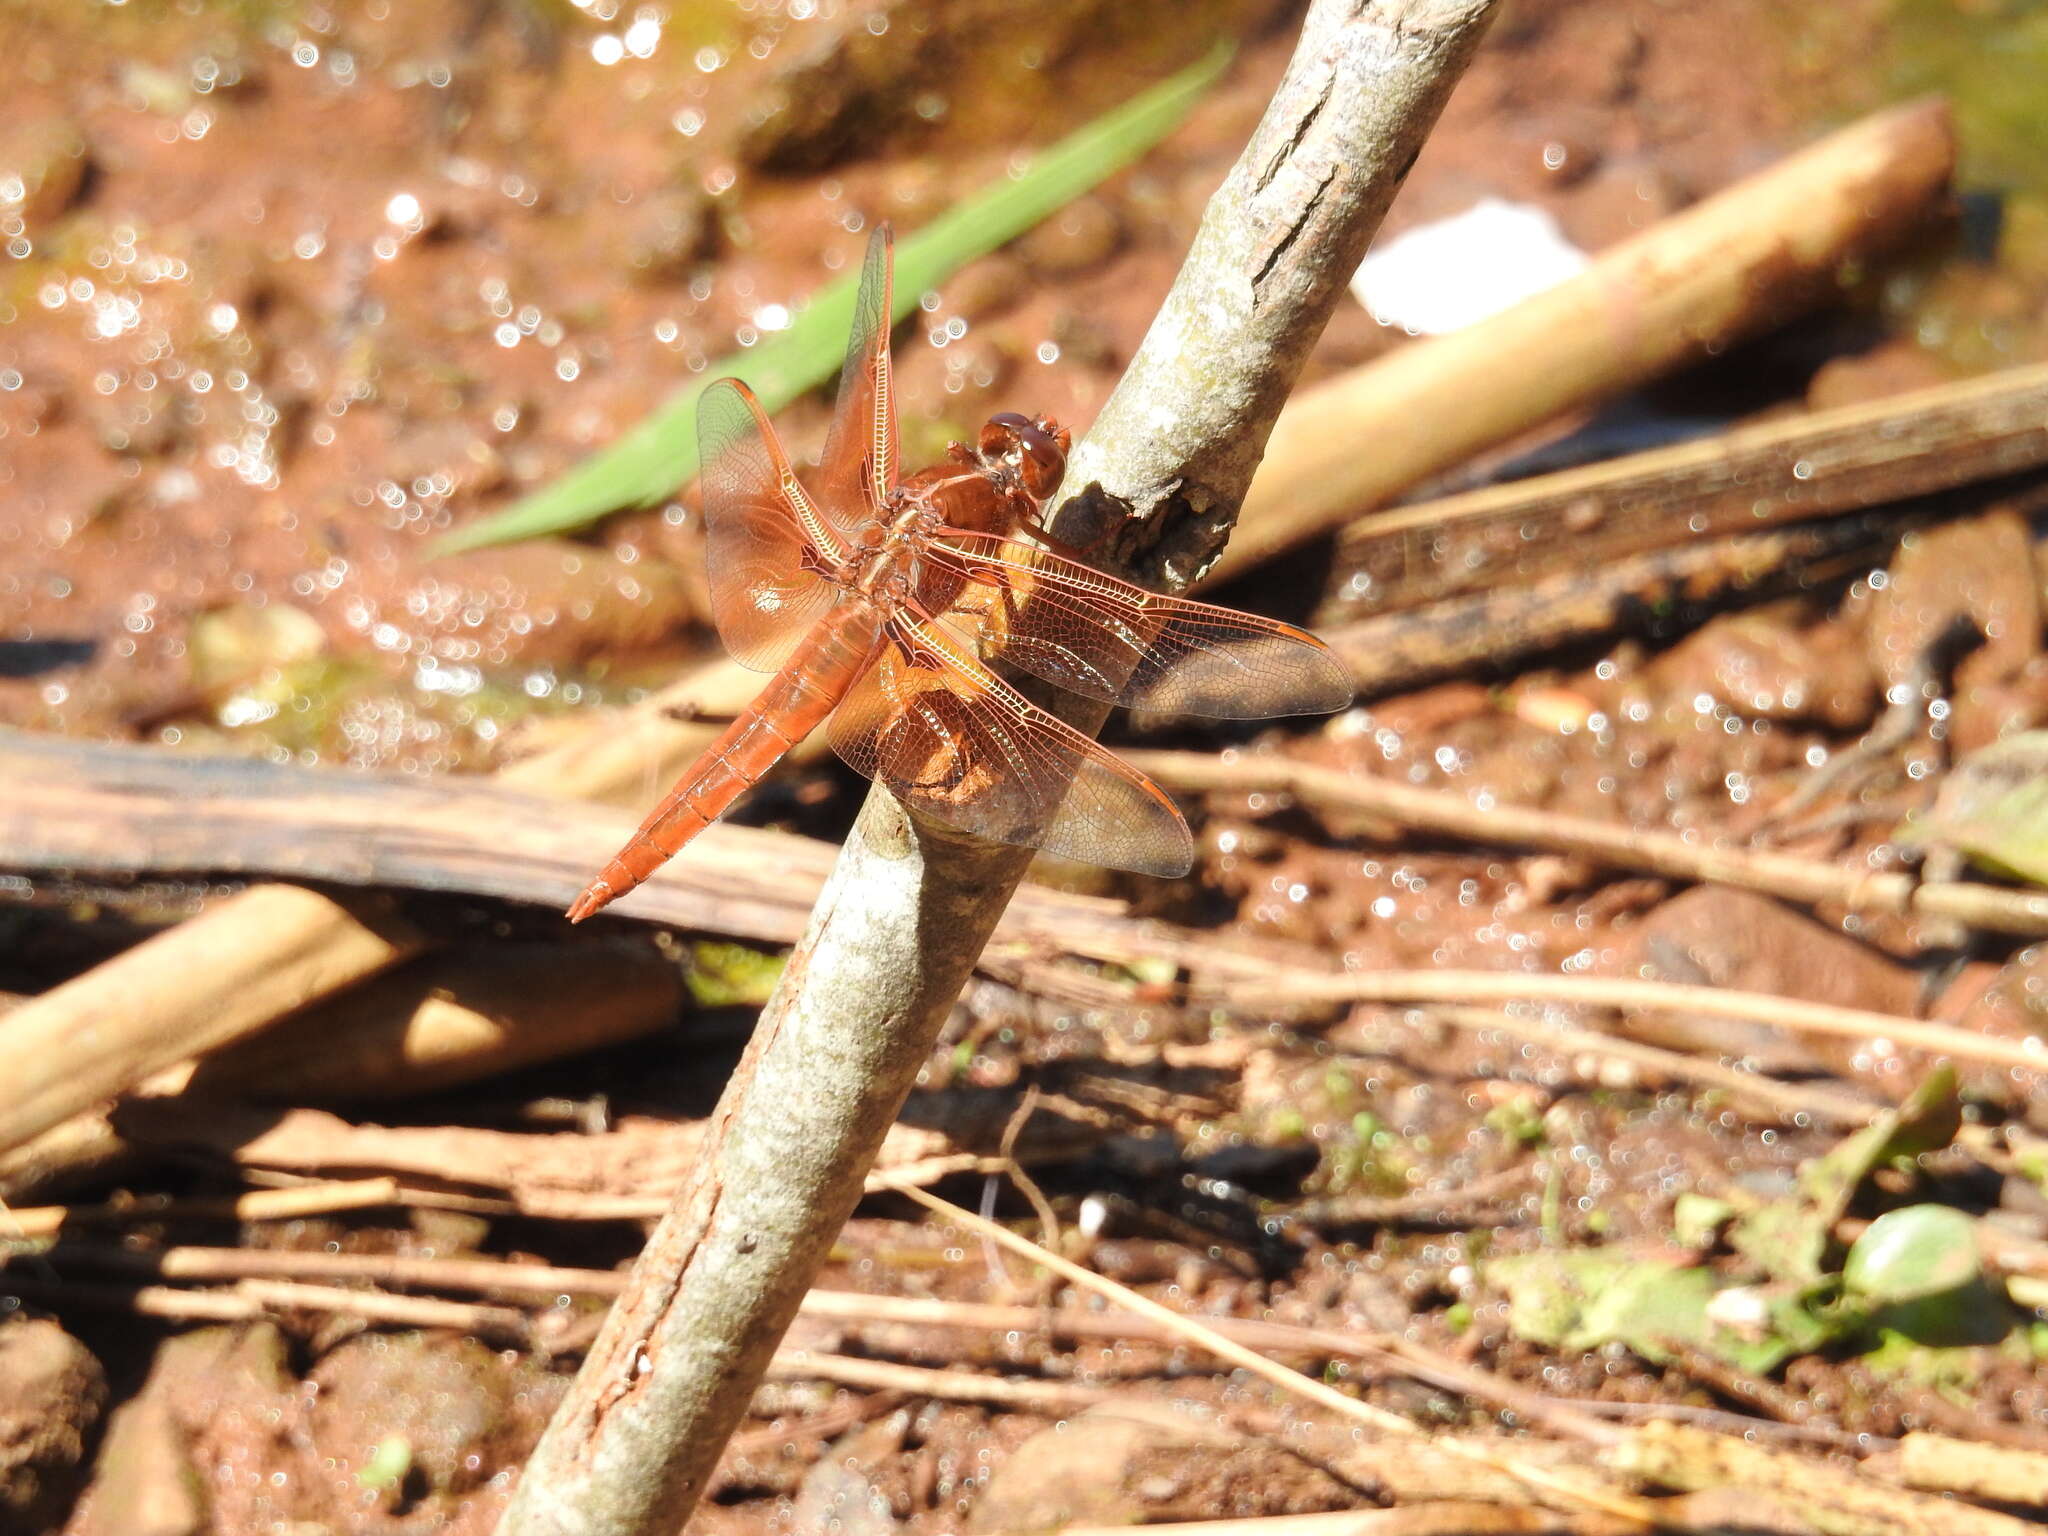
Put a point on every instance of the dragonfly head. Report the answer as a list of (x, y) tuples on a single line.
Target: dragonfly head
[(1037, 450)]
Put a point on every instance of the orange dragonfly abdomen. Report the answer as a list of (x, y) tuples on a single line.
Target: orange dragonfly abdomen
[(819, 673)]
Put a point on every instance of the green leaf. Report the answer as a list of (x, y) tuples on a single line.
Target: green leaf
[(1993, 808), (1916, 1251), (1697, 1220), (389, 1462), (659, 454), (1918, 1274), (1790, 1238), (1590, 1297), (727, 975)]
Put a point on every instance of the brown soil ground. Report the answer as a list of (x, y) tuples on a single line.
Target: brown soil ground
[(296, 288)]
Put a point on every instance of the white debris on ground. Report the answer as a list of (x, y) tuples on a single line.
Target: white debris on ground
[(1443, 276)]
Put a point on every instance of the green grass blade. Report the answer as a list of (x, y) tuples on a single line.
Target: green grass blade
[(653, 458)]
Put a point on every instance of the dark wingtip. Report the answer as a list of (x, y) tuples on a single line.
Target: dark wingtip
[(1336, 687)]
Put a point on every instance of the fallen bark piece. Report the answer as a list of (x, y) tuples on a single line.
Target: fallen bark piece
[(1738, 481), (128, 809), (1833, 1501), (1279, 990), (1469, 631), (1750, 256), (132, 809), (1942, 1464)]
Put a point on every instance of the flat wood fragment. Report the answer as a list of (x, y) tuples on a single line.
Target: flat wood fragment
[(1832, 1500), (1740, 481)]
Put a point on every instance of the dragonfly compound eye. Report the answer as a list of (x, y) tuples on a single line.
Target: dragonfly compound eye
[(999, 432), (1041, 457)]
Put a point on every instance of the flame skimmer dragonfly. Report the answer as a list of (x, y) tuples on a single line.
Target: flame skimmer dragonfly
[(892, 605)]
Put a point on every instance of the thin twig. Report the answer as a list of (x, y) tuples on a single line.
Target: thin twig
[(1052, 1398), (386, 1269), (1446, 1517), (1727, 1422), (1615, 992), (257, 1298), (1777, 1099), (1361, 1210), (1806, 881), (258, 1205), (506, 1323)]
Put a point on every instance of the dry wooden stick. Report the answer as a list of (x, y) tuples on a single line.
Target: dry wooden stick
[(1744, 258), (256, 1298), (489, 1322), (909, 907), (189, 1262), (1776, 1099), (447, 1018), (257, 1205), (120, 809), (168, 1301), (628, 1171), (1737, 481), (1788, 876), (1615, 992), (181, 992), (1052, 1398)]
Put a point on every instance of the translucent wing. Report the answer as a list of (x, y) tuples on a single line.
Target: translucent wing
[(957, 743), (759, 529), (859, 467), (1108, 639)]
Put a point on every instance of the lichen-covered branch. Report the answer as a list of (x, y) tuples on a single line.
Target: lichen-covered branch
[(909, 906)]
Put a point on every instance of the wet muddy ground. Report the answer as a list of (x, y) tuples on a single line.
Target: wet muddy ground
[(292, 289)]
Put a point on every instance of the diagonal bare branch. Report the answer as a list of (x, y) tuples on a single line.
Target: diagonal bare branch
[(909, 907)]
